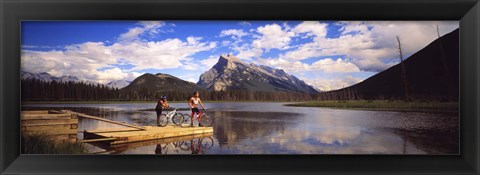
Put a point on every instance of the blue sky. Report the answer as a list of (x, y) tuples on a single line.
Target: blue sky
[(325, 54)]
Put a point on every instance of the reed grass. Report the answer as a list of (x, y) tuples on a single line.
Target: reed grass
[(40, 143)]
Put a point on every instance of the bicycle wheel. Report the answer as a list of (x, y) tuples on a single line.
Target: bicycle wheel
[(207, 120), (177, 119), (187, 119), (185, 145), (206, 143), (163, 120)]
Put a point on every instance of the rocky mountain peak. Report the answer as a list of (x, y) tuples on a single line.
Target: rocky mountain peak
[(231, 72)]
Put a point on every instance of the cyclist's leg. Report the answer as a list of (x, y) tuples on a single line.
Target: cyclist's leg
[(159, 112), (199, 118), (191, 117)]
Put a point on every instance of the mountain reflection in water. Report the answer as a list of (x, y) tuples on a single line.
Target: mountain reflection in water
[(271, 128)]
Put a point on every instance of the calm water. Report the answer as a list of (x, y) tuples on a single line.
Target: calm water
[(271, 128)]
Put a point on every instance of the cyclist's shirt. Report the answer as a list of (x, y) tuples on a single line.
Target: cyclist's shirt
[(159, 105), (195, 101)]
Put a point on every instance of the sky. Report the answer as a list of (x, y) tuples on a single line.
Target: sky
[(325, 54)]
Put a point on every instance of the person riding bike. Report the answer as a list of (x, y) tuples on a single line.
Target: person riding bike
[(193, 103), (161, 104)]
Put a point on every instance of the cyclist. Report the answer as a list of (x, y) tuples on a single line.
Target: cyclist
[(193, 103), (161, 104), (196, 150)]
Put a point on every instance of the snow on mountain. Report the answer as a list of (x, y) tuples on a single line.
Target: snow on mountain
[(231, 73), (118, 84), (44, 76)]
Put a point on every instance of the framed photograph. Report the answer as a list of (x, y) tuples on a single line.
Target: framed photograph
[(260, 87)]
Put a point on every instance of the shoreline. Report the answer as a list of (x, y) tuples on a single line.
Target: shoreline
[(383, 105), (119, 102), (371, 105)]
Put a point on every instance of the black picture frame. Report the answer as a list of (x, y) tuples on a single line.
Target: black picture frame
[(14, 11)]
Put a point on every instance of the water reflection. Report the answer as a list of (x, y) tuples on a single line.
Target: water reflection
[(197, 144), (271, 128), (232, 127)]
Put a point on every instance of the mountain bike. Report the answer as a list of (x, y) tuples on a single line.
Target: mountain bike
[(206, 120), (199, 145), (173, 117)]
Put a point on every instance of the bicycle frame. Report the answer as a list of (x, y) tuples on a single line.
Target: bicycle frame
[(171, 114)]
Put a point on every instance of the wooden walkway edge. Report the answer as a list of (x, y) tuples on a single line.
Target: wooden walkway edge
[(151, 133), (103, 120)]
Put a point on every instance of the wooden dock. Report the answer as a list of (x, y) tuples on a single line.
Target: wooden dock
[(61, 127), (119, 148), (128, 135)]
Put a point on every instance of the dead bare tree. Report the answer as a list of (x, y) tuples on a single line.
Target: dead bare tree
[(404, 73), (445, 64)]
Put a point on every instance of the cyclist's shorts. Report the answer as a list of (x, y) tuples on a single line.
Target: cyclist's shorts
[(195, 110)]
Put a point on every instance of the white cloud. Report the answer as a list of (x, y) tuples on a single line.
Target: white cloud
[(245, 23), (311, 28), (333, 84), (246, 52), (235, 33), (189, 66), (363, 46), (160, 54), (272, 36), (370, 45), (83, 61), (209, 62), (326, 65), (93, 60), (150, 27), (193, 40), (192, 76), (330, 65), (226, 43)]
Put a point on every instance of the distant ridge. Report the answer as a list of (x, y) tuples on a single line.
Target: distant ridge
[(426, 75), (160, 83), (44, 76)]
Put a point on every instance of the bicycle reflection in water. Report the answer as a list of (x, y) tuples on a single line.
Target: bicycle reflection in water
[(195, 146)]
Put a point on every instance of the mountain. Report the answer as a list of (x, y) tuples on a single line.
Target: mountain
[(231, 73), (431, 73), (161, 83), (48, 78), (118, 84)]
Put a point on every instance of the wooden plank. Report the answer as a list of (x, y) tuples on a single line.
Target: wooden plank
[(152, 133), (112, 130), (98, 140), (35, 112), (161, 141), (118, 148), (45, 116), (152, 137), (104, 120), (47, 127), (55, 112), (49, 122), (53, 132)]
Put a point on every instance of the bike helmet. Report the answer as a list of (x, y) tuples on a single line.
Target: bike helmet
[(164, 97)]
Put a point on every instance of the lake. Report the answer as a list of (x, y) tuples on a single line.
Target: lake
[(272, 128)]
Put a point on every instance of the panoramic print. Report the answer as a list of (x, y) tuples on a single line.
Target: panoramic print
[(240, 87)]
